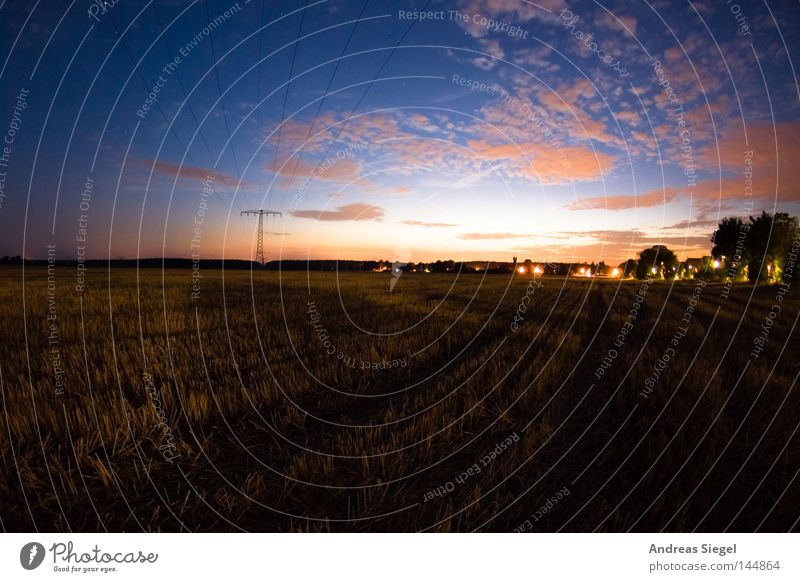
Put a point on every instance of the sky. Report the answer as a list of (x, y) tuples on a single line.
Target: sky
[(410, 131)]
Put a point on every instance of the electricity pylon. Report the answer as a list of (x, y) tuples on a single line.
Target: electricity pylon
[(260, 245)]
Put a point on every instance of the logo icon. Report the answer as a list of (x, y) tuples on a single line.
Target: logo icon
[(31, 555)]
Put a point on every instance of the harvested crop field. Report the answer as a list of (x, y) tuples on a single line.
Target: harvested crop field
[(322, 401)]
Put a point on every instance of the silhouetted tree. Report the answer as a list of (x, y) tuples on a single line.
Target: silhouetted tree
[(727, 236), (657, 260), (769, 238), (730, 242), (628, 268)]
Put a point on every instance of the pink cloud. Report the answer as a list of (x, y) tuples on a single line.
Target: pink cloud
[(549, 164), (491, 236), (514, 11), (332, 169), (428, 224), (617, 22), (624, 202), (191, 173), (357, 211), (775, 174)]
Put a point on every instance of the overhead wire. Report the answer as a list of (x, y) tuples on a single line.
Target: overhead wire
[(363, 96)]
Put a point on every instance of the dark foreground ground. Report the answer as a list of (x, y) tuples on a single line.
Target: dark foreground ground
[(324, 403)]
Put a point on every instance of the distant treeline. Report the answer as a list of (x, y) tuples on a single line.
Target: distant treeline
[(386, 265), (469, 267), (290, 265), (149, 263)]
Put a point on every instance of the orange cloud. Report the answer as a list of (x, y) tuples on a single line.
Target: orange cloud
[(775, 148), (357, 211), (624, 202), (332, 168), (549, 164), (629, 116), (775, 174), (298, 134)]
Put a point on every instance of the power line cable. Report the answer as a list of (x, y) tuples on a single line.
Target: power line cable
[(363, 96)]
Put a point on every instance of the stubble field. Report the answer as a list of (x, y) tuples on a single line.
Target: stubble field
[(322, 402)]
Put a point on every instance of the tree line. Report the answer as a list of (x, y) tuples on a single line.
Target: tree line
[(755, 249)]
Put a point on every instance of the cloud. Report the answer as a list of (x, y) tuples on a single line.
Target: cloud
[(689, 242), (514, 11), (413, 141), (775, 147), (484, 63), (683, 224), (625, 202), (332, 168), (191, 173), (616, 22), (537, 56), (357, 211), (494, 51), (629, 116), (775, 173), (566, 114), (637, 237), (615, 245), (548, 164), (492, 48), (428, 224), (491, 236), (420, 122)]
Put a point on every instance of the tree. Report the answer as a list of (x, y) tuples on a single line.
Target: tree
[(769, 238), (628, 268), (657, 260), (727, 237), (730, 242)]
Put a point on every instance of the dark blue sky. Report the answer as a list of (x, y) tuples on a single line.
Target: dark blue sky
[(488, 128)]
